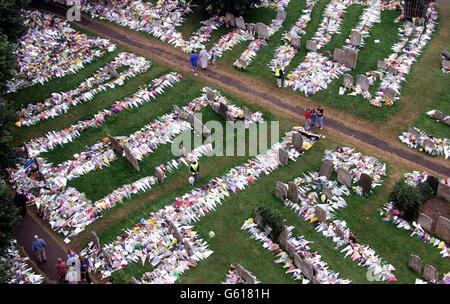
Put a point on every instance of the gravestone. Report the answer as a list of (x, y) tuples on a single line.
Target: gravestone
[(338, 55), (393, 71), (381, 64), (159, 174), (290, 248), (344, 177), (251, 27), (297, 260), (281, 191), (414, 132), (348, 80), (216, 107), (258, 217), (430, 273), (443, 229), (283, 237), (307, 270), (40, 167), (229, 117), (428, 144), (245, 275), (206, 132), (355, 38), (415, 263), (293, 33), (196, 125), (444, 191), (210, 94), (315, 280), (107, 257), (261, 29), (363, 82), (297, 141), (350, 58), (177, 110), (327, 54), (188, 247), (96, 241), (247, 113), (389, 93), (223, 110), (175, 230), (311, 45), (240, 23), (365, 181), (117, 147), (437, 115), (293, 192), (377, 74), (326, 169), (112, 71), (130, 157), (295, 42), (328, 193), (425, 222), (320, 212), (281, 14), (283, 156), (134, 281), (446, 64), (230, 18), (339, 232)]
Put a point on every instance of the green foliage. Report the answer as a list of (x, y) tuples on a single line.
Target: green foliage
[(425, 191), (9, 216), (7, 61), (237, 7), (433, 182), (8, 155), (11, 20), (406, 199), (271, 218)]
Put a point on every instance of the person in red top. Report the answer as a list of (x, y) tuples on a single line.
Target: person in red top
[(61, 269), (308, 119)]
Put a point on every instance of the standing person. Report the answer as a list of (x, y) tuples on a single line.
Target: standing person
[(194, 169), (313, 117), (182, 151), (194, 60), (85, 268), (71, 275), (279, 75), (213, 58), (73, 260), (203, 58), (61, 269), (320, 117), (38, 246), (20, 200), (307, 119)]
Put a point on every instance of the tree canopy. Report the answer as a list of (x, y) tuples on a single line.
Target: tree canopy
[(236, 7)]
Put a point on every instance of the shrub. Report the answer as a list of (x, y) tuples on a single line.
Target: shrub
[(406, 199), (272, 218), (425, 191), (433, 182)]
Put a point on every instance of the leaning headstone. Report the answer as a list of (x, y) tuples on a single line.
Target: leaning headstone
[(381, 64), (326, 168), (159, 174), (348, 80), (134, 281), (293, 192), (444, 191), (245, 275), (328, 193), (297, 141), (206, 132), (283, 156), (425, 222), (297, 260), (307, 270), (223, 110), (40, 167), (130, 157), (216, 107), (311, 45), (328, 54), (428, 144), (230, 18), (320, 212), (443, 229), (389, 93), (188, 247), (363, 82), (365, 181), (96, 241), (112, 71), (210, 94), (350, 58), (261, 29), (229, 116), (117, 147), (344, 177), (430, 273), (281, 15), (295, 42), (197, 125), (355, 38), (281, 191), (415, 263), (107, 257), (247, 113), (339, 232), (338, 55), (283, 237), (175, 230), (258, 217), (251, 27), (414, 132), (240, 23)]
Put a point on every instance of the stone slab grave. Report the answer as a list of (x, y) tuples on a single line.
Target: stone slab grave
[(198, 127), (348, 80), (297, 141), (293, 192), (328, 193), (258, 217), (290, 248), (344, 177), (428, 144), (415, 263), (363, 82), (283, 156), (425, 222), (339, 232), (381, 64), (308, 270), (444, 191), (251, 27), (377, 74), (206, 132), (311, 45), (159, 174), (229, 117), (281, 191), (430, 273), (245, 275), (320, 212), (130, 157), (443, 228), (247, 113), (446, 64), (188, 247), (107, 257), (40, 166), (216, 107), (350, 58), (261, 29), (355, 38), (365, 181), (281, 14), (240, 23), (389, 93), (438, 115), (339, 55), (210, 94), (175, 230), (230, 18), (298, 260), (327, 54), (223, 110), (326, 169), (117, 147), (96, 241), (283, 237), (414, 132), (112, 71)]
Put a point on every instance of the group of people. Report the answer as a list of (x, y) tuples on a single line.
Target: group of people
[(311, 115), (203, 58)]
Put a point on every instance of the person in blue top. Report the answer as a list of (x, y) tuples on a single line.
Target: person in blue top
[(194, 60), (38, 246), (85, 268)]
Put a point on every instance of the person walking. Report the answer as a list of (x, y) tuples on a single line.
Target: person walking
[(73, 260), (279, 75), (203, 57), (313, 118), (194, 60), (320, 117), (61, 269), (20, 200), (85, 268), (194, 168), (213, 58), (307, 119), (38, 246), (72, 276)]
